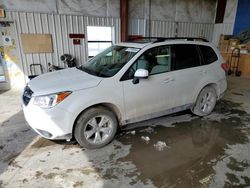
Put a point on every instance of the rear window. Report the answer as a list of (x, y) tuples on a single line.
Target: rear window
[(186, 56), (209, 56)]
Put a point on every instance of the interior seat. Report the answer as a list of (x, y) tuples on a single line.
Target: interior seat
[(163, 65)]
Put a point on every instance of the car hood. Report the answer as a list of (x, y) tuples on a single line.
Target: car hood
[(70, 79)]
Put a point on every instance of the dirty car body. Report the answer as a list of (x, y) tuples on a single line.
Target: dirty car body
[(127, 83)]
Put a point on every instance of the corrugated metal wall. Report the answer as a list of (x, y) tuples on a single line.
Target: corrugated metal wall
[(59, 26), (162, 28), (224, 28), (137, 27), (171, 29), (204, 30)]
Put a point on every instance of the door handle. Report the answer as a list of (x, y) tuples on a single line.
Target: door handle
[(166, 80)]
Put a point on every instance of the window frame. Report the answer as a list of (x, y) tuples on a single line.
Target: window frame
[(197, 51), (202, 55), (99, 41), (171, 63)]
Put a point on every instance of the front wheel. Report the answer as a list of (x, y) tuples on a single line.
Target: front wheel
[(95, 128), (205, 101)]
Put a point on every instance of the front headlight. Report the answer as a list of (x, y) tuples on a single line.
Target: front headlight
[(49, 101)]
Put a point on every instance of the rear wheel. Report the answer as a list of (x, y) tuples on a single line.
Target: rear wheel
[(205, 101), (95, 128)]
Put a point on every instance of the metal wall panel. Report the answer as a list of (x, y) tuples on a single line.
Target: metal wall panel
[(137, 27), (59, 26), (204, 30), (170, 29), (224, 28), (162, 28)]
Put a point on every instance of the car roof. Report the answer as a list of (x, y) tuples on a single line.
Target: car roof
[(143, 43), (134, 44)]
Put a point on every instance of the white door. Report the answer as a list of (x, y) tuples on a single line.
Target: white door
[(155, 93), (189, 72)]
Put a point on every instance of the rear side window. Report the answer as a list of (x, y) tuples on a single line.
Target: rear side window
[(186, 56), (209, 56)]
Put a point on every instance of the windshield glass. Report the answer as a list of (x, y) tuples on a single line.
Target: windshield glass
[(110, 61)]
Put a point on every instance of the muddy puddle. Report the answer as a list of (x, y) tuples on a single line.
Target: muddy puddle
[(188, 151), (192, 152)]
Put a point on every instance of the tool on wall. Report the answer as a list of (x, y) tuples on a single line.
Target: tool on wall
[(33, 70), (67, 59), (234, 63)]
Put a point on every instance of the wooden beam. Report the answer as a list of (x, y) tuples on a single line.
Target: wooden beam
[(220, 11), (124, 19)]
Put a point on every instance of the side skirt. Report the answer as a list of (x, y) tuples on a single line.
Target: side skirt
[(157, 114)]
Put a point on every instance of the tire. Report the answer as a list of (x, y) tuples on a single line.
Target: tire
[(95, 128), (205, 102)]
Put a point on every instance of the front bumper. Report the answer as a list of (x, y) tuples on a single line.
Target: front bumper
[(54, 123)]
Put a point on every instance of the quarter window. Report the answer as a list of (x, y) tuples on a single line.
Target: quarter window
[(186, 56), (209, 56)]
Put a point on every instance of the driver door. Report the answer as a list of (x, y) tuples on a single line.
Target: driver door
[(154, 94)]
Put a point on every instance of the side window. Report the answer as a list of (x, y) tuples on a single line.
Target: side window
[(186, 56), (156, 60), (209, 56), (162, 62)]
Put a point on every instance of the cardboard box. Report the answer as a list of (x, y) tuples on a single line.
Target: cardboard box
[(223, 45), (243, 51), (234, 42), (225, 37), (224, 42), (223, 48), (242, 47), (248, 45)]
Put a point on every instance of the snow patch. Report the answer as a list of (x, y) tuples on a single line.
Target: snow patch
[(160, 146), (147, 130), (145, 138)]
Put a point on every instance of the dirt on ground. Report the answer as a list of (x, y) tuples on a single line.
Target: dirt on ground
[(180, 150)]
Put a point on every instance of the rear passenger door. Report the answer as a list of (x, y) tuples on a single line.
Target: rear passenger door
[(209, 60), (188, 72)]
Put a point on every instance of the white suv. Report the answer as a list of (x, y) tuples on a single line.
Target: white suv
[(126, 83)]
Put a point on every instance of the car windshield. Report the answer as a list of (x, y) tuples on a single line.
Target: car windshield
[(110, 61)]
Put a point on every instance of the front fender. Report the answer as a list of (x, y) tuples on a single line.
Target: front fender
[(81, 100)]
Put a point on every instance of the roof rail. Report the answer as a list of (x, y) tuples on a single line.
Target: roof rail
[(162, 39)]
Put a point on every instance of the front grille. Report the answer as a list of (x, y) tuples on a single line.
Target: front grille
[(27, 94)]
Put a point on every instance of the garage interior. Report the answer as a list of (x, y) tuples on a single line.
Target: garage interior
[(180, 150)]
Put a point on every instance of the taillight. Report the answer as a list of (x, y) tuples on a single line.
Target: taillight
[(225, 66)]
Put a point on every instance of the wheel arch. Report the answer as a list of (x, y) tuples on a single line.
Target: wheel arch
[(109, 106), (211, 84)]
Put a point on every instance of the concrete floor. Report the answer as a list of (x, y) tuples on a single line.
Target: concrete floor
[(180, 150)]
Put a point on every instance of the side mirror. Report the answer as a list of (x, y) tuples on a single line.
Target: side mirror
[(140, 74)]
